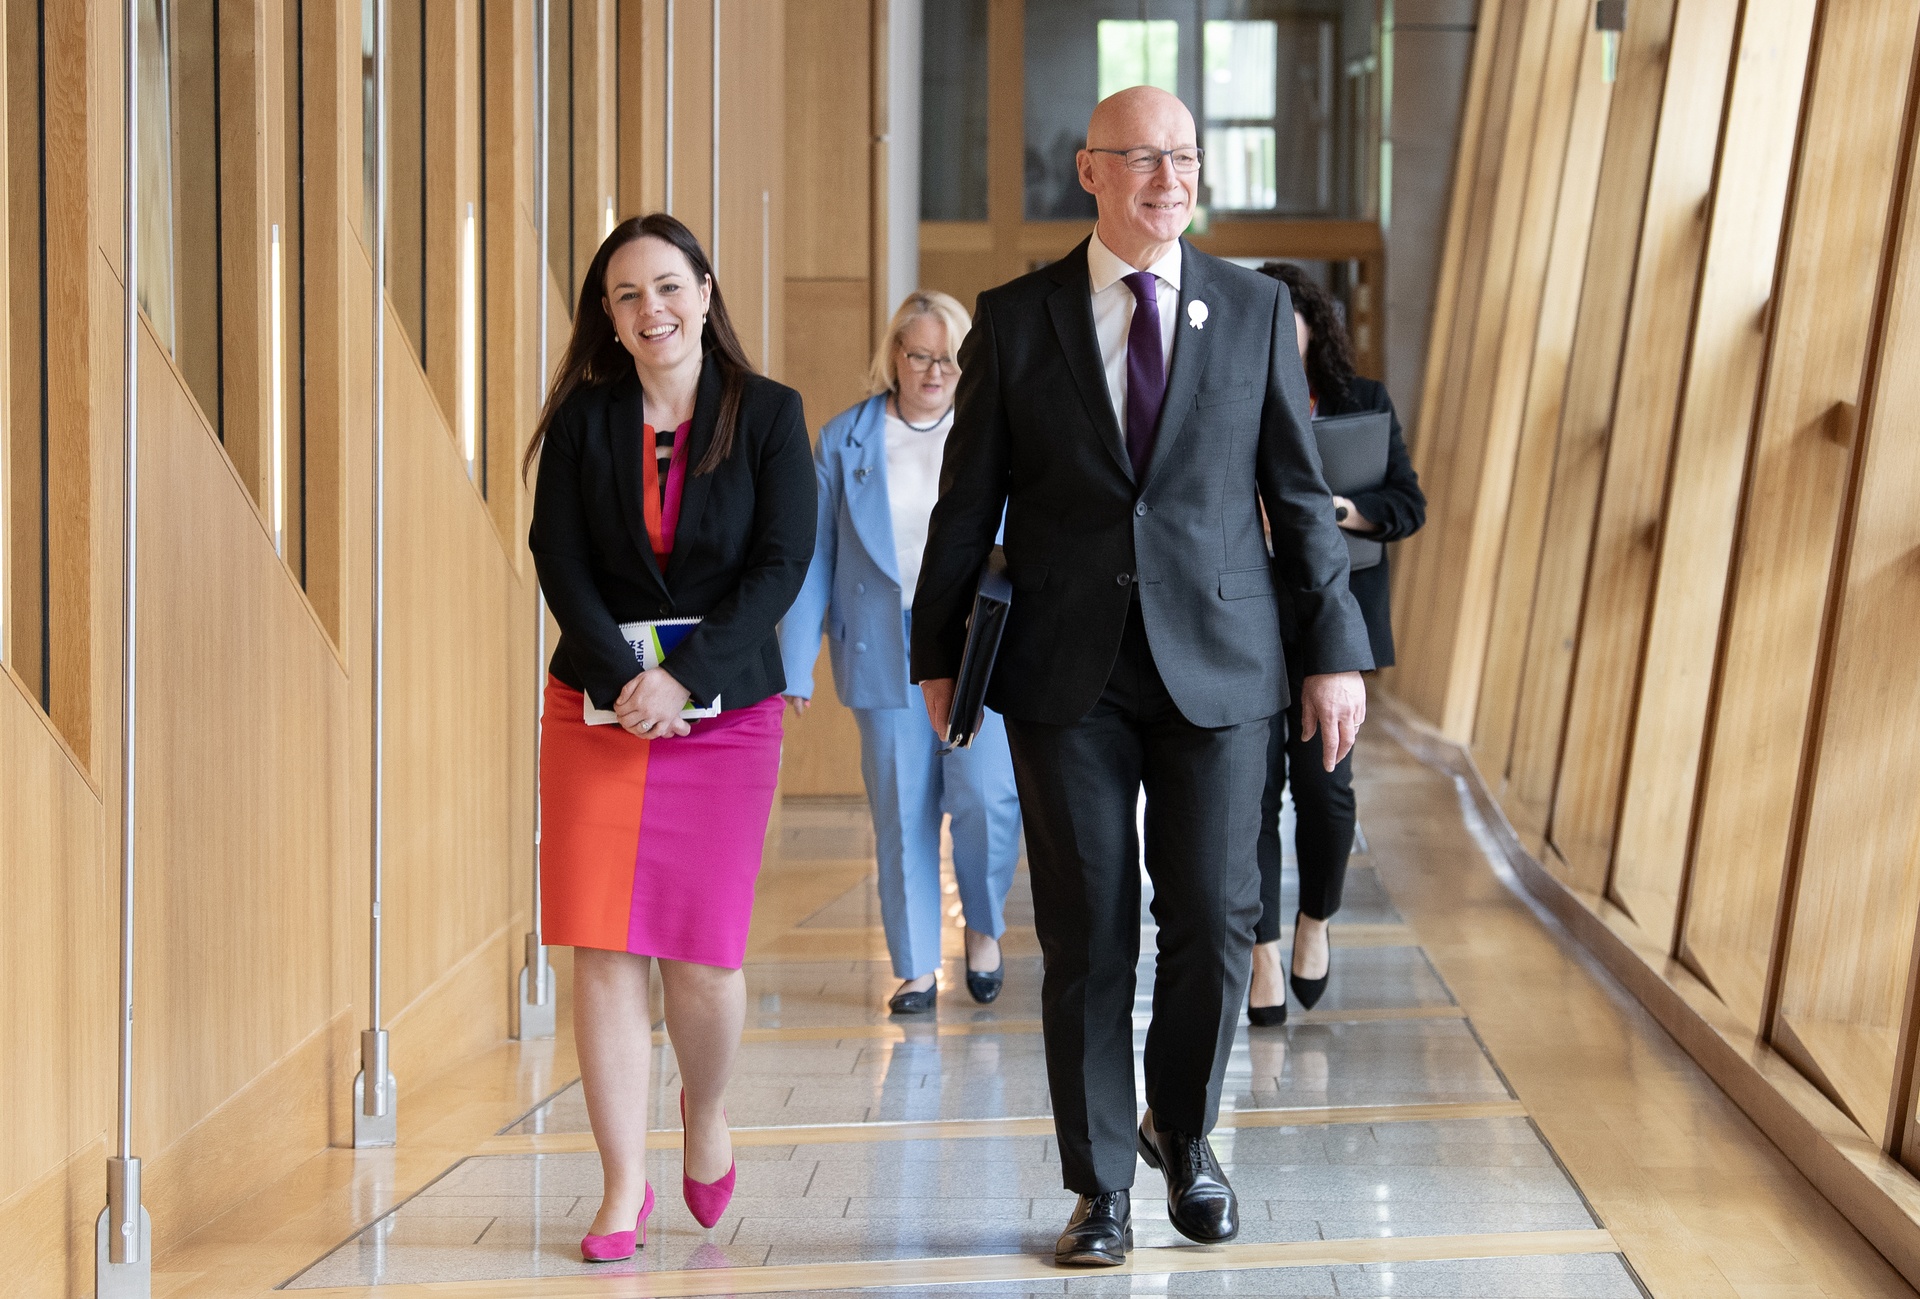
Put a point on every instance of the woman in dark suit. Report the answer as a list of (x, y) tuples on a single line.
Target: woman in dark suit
[(1323, 800), (675, 484)]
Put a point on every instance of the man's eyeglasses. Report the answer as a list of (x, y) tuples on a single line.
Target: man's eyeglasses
[(922, 362), (1185, 161)]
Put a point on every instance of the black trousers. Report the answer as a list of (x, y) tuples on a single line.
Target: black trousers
[(1079, 790), (1323, 823)]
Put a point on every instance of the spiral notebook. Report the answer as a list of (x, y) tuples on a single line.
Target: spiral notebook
[(652, 642)]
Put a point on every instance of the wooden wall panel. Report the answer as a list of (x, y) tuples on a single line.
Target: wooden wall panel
[(1619, 572), (1606, 293), (1462, 556), (1702, 588), (1512, 605), (830, 261), (1416, 616), (1849, 973), (239, 836), (829, 54), (1796, 476), (753, 167), (1710, 442), (57, 1048), (255, 726), (1849, 970)]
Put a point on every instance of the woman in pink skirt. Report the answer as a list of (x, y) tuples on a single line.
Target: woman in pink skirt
[(674, 512)]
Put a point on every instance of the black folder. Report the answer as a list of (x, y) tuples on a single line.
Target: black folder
[(984, 627), (1353, 456)]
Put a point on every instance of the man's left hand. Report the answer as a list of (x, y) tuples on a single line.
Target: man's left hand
[(1332, 706)]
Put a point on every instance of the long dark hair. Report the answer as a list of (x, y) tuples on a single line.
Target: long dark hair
[(595, 354), (1329, 358)]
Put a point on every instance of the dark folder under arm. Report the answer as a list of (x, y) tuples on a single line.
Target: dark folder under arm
[(1353, 455), (984, 627)]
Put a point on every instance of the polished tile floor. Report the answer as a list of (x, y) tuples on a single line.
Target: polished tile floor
[(1376, 1147)]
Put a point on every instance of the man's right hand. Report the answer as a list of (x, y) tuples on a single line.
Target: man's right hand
[(939, 697)]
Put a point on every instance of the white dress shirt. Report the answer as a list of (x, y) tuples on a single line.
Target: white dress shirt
[(913, 485), (1113, 306)]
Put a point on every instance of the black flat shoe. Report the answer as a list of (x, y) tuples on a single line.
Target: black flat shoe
[(984, 985), (1266, 1016), (1309, 991), (1200, 1204), (1099, 1233), (914, 1003)]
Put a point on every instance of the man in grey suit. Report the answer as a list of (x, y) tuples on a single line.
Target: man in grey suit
[(1131, 407)]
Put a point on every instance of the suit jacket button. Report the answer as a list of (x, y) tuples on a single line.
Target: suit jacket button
[(1140, 510), (859, 588), (860, 647), (1123, 579)]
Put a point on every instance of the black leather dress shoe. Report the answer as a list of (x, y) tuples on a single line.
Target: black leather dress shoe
[(1200, 1204), (914, 1003), (1099, 1233), (984, 985)]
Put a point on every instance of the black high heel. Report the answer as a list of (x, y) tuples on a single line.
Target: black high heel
[(1266, 1016), (1308, 991)]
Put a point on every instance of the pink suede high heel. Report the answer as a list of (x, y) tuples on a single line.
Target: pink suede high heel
[(706, 1200), (618, 1246)]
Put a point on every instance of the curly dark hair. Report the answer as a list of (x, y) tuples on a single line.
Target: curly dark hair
[(1329, 358)]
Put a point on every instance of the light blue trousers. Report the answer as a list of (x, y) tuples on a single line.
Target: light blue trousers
[(909, 786)]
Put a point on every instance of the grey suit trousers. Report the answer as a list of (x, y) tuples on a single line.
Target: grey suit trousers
[(1080, 785)]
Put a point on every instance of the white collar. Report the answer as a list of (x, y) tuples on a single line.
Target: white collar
[(1106, 269)]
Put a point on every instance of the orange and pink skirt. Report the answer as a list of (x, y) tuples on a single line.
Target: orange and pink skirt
[(653, 846)]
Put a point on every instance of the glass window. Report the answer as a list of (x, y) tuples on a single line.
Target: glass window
[(1269, 97), (199, 323), (953, 111), (27, 613), (1280, 88), (1077, 53), (288, 285), (156, 175), (407, 170), (1137, 53), (560, 214)]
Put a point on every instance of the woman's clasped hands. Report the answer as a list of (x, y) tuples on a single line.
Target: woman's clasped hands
[(649, 705)]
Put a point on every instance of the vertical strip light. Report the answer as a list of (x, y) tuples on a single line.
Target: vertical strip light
[(766, 281), (375, 1122), (666, 203), (123, 1234), (538, 1004), (713, 171), (607, 221), (470, 340), (277, 419)]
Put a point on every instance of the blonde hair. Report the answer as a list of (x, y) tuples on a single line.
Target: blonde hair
[(882, 376)]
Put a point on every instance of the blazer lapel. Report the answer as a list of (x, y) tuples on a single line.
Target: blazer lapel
[(1071, 306), (1189, 359), (626, 420), (865, 467), (693, 490)]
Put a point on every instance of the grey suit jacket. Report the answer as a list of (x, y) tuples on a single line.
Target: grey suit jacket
[(1035, 432)]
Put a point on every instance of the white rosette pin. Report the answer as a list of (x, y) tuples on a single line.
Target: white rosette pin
[(1197, 314)]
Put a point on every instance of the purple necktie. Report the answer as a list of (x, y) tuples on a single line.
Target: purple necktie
[(1146, 371)]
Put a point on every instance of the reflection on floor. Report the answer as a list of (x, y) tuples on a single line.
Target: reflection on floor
[(968, 1193), (1376, 1143)]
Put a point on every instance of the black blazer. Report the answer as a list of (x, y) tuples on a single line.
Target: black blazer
[(1397, 505), (745, 537), (1035, 432)]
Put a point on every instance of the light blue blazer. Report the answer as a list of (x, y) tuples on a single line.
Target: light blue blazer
[(852, 590)]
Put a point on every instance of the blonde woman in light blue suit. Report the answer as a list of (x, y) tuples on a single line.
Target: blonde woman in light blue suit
[(879, 475)]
